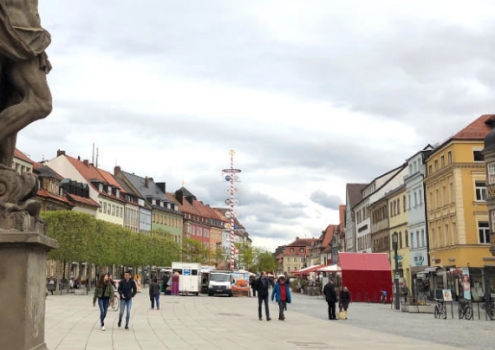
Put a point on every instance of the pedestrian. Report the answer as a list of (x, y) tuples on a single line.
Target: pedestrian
[(344, 301), (331, 299), (175, 283), (110, 278), (127, 291), (252, 283), (281, 293), (165, 282), (104, 293), (262, 285), (155, 294)]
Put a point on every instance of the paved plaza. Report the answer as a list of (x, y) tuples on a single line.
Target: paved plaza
[(232, 323)]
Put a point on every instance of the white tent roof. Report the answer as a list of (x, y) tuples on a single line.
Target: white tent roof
[(331, 268)]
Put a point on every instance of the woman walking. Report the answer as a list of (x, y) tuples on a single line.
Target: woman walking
[(104, 293), (155, 294), (281, 293), (344, 300)]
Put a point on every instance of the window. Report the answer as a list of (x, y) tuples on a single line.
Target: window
[(292, 250), (301, 250), (404, 203), (452, 193), (491, 173), (415, 199), (423, 238), (400, 240), (442, 161), (478, 157), (407, 239), (100, 206), (113, 209), (449, 158), (438, 198), (398, 205), (436, 164), (447, 235), (430, 171), (480, 191), (295, 259), (409, 200), (412, 241), (434, 238), (444, 195), (105, 208), (484, 232), (288, 268)]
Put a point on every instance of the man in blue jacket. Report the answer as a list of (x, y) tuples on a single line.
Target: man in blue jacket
[(127, 291), (281, 293)]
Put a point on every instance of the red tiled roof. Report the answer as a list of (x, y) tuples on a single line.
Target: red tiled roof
[(90, 172), (186, 207), (477, 130), (329, 232), (45, 194), (302, 242), (297, 250), (18, 154), (109, 178), (364, 262), (83, 200)]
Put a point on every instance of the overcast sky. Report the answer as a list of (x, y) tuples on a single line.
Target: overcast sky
[(310, 94)]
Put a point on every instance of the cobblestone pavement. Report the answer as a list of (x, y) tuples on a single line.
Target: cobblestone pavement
[(473, 335), (219, 323)]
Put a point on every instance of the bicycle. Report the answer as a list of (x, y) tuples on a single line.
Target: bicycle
[(489, 309), (116, 302), (440, 309), (465, 309)]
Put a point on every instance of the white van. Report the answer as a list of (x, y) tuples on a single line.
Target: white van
[(220, 282), (190, 277)]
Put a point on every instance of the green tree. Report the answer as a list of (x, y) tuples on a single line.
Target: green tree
[(266, 262)]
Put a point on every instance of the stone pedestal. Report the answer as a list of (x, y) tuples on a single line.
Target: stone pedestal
[(22, 286)]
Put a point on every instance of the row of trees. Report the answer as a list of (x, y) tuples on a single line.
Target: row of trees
[(82, 238)]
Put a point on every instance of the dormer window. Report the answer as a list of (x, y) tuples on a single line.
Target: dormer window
[(118, 192), (100, 187), (109, 190)]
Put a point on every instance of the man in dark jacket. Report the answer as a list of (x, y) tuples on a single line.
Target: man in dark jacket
[(331, 298), (262, 289), (127, 291)]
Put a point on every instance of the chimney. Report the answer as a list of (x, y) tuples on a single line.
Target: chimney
[(146, 182), (297, 238), (78, 157), (60, 153), (86, 162), (162, 186), (117, 170)]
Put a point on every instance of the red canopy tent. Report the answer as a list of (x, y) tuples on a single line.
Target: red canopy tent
[(366, 275)]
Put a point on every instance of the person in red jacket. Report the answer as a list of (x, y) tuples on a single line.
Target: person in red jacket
[(281, 293)]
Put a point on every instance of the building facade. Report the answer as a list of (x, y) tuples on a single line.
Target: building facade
[(353, 196)]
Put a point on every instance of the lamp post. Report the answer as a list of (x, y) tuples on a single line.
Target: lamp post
[(395, 238)]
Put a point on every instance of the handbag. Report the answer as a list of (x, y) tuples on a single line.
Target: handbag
[(342, 315)]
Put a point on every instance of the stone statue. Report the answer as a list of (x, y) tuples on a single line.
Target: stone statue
[(24, 94)]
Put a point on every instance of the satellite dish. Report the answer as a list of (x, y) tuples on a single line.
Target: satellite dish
[(228, 178)]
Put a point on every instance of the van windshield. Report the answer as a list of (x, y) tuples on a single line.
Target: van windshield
[(219, 277)]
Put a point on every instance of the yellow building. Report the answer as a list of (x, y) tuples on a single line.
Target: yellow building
[(458, 225), (397, 213)]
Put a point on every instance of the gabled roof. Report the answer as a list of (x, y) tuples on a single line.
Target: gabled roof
[(364, 262), (297, 250), (302, 242), (91, 173), (45, 171), (354, 193), (125, 188), (477, 130), (20, 155), (186, 208), (329, 232), (151, 190)]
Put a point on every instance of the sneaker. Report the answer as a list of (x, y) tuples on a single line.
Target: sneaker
[(126, 327), (120, 323), (268, 319), (261, 319), (102, 328)]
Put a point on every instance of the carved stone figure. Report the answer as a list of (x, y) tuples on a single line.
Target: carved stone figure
[(24, 93)]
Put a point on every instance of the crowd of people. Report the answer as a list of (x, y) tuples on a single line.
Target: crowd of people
[(106, 287)]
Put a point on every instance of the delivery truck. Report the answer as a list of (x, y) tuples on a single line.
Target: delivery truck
[(190, 277)]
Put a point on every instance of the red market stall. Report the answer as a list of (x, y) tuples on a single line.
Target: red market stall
[(366, 275)]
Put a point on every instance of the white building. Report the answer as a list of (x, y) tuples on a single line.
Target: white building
[(416, 225), (353, 196)]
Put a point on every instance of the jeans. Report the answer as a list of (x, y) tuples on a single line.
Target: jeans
[(155, 297), (282, 306), (103, 304), (260, 301), (124, 303)]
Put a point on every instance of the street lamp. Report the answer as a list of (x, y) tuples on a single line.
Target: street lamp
[(395, 238)]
